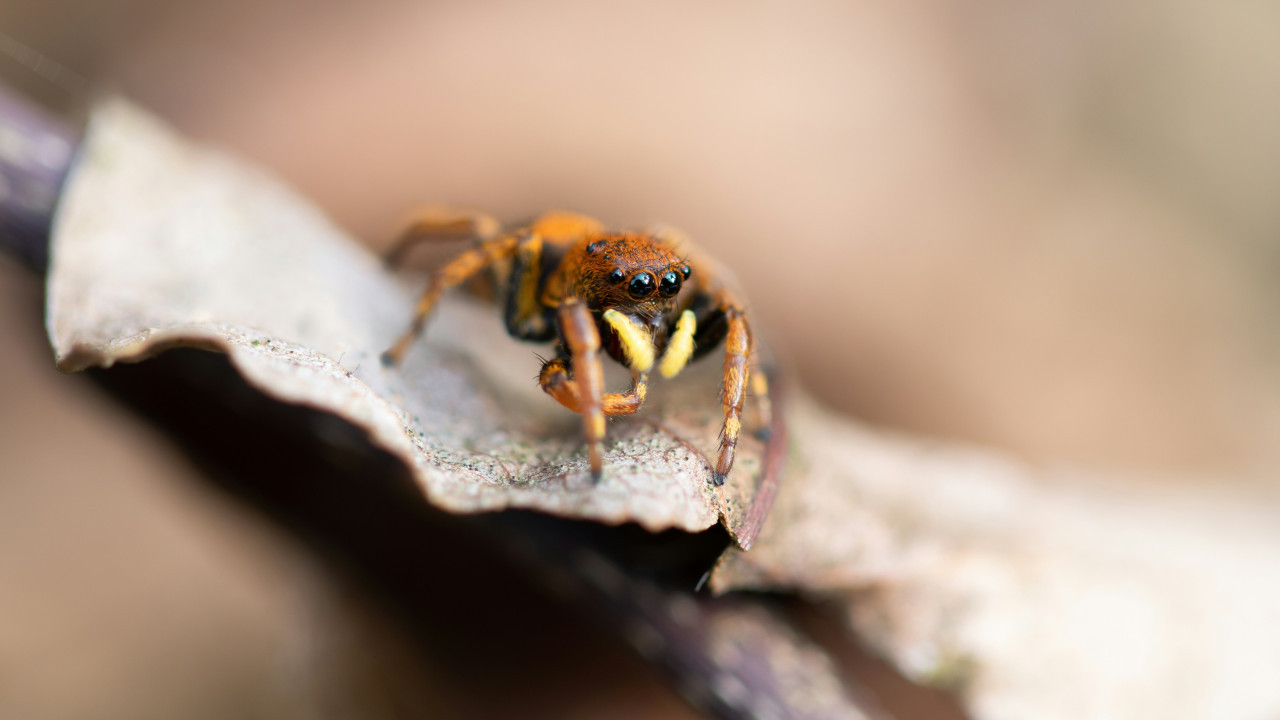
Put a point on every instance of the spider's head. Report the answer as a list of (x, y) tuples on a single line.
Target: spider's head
[(632, 273)]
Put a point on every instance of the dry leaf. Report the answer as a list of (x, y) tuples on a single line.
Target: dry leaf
[(1045, 595), (159, 243)]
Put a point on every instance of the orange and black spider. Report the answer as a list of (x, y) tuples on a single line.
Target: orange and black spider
[(629, 293)]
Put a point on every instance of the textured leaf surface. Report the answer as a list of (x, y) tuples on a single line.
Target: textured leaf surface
[(159, 243), (1036, 594)]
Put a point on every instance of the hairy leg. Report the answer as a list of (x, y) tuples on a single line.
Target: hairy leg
[(737, 348), (557, 381), (441, 224), (719, 317), (760, 391), (578, 329), (457, 271)]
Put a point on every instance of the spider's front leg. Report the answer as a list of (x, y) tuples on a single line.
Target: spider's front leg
[(557, 379), (578, 329), (733, 389), (715, 316)]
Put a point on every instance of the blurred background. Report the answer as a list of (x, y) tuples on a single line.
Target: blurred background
[(1050, 228)]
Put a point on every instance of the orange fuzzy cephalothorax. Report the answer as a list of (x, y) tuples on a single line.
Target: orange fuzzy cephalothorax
[(607, 270)]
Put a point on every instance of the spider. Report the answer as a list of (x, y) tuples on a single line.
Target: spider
[(568, 279)]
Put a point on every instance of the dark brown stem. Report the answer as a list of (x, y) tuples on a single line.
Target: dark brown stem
[(40, 149)]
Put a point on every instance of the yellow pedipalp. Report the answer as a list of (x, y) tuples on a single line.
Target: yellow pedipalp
[(680, 349), (636, 343)]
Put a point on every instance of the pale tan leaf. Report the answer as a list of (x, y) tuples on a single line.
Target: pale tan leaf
[(1035, 593), (160, 243)]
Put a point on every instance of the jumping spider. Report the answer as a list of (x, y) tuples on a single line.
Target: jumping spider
[(568, 279)]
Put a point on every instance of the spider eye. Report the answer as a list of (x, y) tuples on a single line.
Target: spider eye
[(670, 284), (617, 276), (641, 286), (686, 271)]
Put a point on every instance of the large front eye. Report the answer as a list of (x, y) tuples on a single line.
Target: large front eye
[(641, 286), (670, 284)]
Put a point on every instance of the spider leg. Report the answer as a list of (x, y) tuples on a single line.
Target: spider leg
[(737, 348), (456, 271), (760, 390), (557, 381), (439, 224), (578, 329), (720, 317)]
